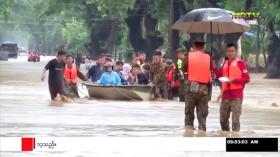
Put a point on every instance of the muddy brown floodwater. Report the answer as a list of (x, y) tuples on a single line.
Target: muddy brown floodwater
[(25, 110)]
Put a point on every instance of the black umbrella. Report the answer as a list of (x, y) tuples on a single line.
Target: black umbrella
[(210, 20)]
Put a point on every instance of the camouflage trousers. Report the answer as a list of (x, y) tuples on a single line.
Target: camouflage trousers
[(161, 90), (226, 107), (72, 90), (200, 102), (182, 91)]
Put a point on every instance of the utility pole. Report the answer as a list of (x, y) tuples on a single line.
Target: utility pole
[(258, 40), (258, 45), (170, 32)]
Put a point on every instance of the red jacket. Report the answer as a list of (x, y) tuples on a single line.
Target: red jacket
[(169, 75), (235, 93)]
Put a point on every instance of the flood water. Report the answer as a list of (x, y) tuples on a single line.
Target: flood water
[(26, 110)]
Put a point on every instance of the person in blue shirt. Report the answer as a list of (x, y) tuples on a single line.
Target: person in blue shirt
[(95, 72), (109, 77), (138, 77)]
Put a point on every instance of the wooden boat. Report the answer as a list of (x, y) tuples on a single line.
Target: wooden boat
[(123, 92)]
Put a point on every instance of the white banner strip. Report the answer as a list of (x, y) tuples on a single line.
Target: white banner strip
[(126, 144), (10, 143)]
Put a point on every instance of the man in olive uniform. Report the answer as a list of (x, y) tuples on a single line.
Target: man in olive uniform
[(198, 79), (158, 77), (179, 72)]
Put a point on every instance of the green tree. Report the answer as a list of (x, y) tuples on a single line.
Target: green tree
[(75, 35)]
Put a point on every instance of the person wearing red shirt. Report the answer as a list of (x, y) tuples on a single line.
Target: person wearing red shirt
[(232, 89), (173, 85)]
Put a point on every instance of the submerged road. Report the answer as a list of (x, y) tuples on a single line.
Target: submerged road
[(25, 110)]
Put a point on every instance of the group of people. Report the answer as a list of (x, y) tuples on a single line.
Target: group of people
[(199, 72), (63, 76), (165, 76), (189, 78), (105, 72), (33, 57)]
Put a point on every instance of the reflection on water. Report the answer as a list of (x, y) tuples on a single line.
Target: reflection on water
[(198, 133), (27, 111)]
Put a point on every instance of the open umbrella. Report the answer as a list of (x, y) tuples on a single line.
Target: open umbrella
[(210, 20)]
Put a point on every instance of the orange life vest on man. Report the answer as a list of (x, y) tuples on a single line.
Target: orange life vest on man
[(71, 74), (199, 67), (231, 71)]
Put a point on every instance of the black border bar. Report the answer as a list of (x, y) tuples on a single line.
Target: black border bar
[(252, 144)]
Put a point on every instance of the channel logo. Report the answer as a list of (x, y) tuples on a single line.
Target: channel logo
[(27, 144)]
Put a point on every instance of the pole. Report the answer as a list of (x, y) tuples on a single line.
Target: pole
[(258, 41), (115, 54), (170, 32), (211, 38), (258, 45), (239, 48)]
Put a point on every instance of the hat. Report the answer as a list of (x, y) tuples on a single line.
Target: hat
[(108, 57), (126, 70), (109, 64), (157, 53), (169, 62)]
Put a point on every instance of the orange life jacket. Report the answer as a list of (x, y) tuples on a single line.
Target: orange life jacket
[(71, 74), (199, 67), (232, 71)]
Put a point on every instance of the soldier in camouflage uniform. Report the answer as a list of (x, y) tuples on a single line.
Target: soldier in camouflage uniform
[(179, 72), (158, 77), (198, 79)]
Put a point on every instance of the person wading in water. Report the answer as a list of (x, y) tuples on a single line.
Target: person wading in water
[(71, 75), (198, 79), (56, 77), (178, 74), (236, 71)]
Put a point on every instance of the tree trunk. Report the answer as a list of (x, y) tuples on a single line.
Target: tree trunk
[(179, 9), (257, 66), (99, 32), (140, 20), (170, 31), (43, 38), (273, 59), (135, 24), (112, 36)]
